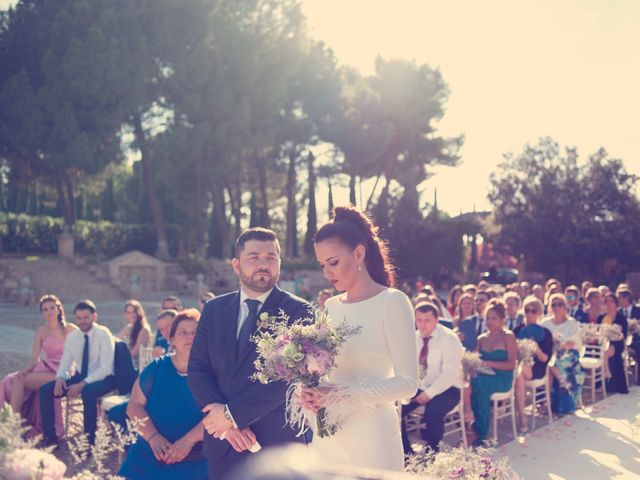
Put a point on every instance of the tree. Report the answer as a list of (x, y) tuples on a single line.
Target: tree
[(563, 216), (56, 121)]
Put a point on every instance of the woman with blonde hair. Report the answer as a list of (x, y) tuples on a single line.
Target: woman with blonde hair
[(20, 389), (567, 371), (533, 310)]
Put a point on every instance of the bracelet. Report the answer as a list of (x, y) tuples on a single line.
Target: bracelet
[(152, 435)]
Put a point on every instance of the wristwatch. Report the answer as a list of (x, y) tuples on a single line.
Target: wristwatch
[(228, 416)]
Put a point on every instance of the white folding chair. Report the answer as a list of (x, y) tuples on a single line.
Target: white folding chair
[(592, 361), (454, 422), (630, 363), (504, 405), (145, 357), (540, 392)]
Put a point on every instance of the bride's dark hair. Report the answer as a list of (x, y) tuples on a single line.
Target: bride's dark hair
[(354, 227)]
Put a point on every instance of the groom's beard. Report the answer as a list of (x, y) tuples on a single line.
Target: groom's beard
[(261, 281)]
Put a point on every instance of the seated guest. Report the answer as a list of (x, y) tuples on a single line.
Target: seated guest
[(91, 351), (452, 300), (472, 327), (538, 291), (542, 336), (440, 360), (514, 317), (464, 309), (206, 296), (593, 308), (584, 288), (136, 332), (617, 382), (163, 323), (568, 374), (442, 312), (632, 314), (169, 443), (499, 351), (20, 389), (323, 296), (169, 303), (574, 309)]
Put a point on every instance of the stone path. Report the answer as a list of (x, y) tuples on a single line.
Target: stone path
[(600, 442)]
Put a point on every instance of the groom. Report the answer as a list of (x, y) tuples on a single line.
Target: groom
[(239, 411)]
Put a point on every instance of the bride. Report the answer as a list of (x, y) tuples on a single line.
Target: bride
[(376, 367)]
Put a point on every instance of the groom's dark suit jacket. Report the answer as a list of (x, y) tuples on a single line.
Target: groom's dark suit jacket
[(220, 374)]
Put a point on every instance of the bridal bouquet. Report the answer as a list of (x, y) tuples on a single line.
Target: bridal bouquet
[(527, 349), (300, 353)]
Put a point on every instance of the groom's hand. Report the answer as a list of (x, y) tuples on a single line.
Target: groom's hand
[(215, 422), (240, 440)]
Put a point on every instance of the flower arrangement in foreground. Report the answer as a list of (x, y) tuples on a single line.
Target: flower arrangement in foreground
[(527, 349), (21, 460), (300, 353), (459, 463)]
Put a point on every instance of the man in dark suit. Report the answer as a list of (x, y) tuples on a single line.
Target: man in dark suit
[(241, 413), (631, 312)]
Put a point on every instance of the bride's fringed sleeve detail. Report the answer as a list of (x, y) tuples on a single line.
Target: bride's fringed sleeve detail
[(399, 332)]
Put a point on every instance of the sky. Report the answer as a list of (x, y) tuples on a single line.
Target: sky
[(517, 71)]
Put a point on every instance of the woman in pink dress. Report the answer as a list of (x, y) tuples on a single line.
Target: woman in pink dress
[(20, 389)]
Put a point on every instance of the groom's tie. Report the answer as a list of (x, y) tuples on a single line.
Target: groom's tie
[(249, 324)]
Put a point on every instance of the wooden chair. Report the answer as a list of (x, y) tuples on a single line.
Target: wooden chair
[(540, 392), (145, 357), (592, 361), (504, 405), (454, 422), (630, 363)]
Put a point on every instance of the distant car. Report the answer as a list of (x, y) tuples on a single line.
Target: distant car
[(502, 276)]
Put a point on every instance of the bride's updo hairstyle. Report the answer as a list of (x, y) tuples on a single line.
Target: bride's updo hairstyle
[(353, 227)]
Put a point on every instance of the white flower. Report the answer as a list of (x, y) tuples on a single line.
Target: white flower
[(29, 463), (264, 316)]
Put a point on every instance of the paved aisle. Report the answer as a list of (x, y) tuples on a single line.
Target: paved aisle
[(602, 442)]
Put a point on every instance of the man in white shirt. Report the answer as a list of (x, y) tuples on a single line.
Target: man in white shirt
[(440, 366), (86, 369)]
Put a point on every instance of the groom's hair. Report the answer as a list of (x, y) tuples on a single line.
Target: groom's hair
[(256, 233)]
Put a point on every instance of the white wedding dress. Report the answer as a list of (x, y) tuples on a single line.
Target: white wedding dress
[(375, 368)]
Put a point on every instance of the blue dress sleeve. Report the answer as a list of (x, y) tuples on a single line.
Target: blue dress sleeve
[(147, 376)]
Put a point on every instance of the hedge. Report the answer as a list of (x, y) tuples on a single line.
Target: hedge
[(39, 234)]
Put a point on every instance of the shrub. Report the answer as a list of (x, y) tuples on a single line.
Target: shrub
[(30, 234)]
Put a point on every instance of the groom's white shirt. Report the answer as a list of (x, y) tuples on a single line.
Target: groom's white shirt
[(444, 361), (244, 308)]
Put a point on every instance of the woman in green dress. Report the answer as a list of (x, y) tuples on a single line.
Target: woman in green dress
[(499, 353)]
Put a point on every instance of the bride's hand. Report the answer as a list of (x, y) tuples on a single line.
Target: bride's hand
[(314, 398)]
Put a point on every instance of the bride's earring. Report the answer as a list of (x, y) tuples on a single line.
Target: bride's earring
[(359, 268)]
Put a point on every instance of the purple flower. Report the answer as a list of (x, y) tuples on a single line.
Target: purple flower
[(457, 473)]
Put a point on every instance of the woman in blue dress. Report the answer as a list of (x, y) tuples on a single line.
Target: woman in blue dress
[(532, 312), (169, 441), (499, 352)]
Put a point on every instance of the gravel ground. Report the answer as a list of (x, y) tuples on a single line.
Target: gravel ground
[(11, 361)]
